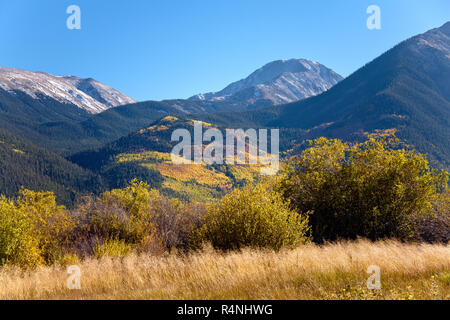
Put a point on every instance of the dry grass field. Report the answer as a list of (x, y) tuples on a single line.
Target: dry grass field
[(333, 271)]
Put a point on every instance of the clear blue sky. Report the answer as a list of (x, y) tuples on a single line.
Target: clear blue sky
[(176, 48)]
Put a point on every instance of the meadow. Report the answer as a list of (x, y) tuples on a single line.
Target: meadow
[(332, 271), (316, 231)]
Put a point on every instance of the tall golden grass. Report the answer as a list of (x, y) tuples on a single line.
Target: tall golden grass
[(332, 271)]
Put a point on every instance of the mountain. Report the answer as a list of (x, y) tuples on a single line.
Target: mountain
[(49, 111), (278, 82), (40, 107), (406, 91), (23, 164), (87, 94), (101, 92), (69, 137), (20, 114), (146, 155)]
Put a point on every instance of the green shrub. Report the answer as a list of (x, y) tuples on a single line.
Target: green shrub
[(368, 189), (254, 216)]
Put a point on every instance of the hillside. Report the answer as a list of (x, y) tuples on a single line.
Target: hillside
[(146, 155), (49, 110), (405, 91), (66, 129), (24, 165), (68, 114)]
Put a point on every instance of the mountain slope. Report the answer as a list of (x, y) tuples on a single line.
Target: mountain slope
[(99, 91), (69, 137), (20, 114), (146, 155), (406, 90), (87, 94), (278, 82), (24, 165), (49, 110), (31, 103)]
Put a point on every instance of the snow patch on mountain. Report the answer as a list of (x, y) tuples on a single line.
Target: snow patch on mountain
[(87, 94), (280, 82)]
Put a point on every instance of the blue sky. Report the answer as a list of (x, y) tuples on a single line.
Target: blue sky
[(153, 50)]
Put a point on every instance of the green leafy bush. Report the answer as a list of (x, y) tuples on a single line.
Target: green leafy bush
[(254, 216), (369, 189)]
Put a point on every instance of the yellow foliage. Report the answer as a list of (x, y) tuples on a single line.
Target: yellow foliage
[(151, 156), (112, 248), (189, 172), (18, 151), (254, 216), (371, 189), (32, 229)]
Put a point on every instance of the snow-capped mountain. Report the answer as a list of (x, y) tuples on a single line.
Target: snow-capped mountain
[(278, 82), (87, 94)]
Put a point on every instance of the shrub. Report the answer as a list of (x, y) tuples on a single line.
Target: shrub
[(51, 223), (112, 248), (138, 216), (121, 214), (97, 222), (18, 246), (254, 216), (33, 229), (176, 222), (368, 189), (434, 226)]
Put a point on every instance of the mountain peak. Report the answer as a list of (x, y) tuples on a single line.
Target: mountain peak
[(407, 90), (438, 38), (445, 28), (278, 82), (87, 94)]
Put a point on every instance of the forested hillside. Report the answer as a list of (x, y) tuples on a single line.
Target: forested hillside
[(146, 155), (22, 164)]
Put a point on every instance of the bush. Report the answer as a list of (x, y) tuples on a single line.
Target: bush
[(434, 226), (18, 246), (121, 214), (367, 190), (33, 229), (112, 248), (254, 216), (137, 216), (176, 223)]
